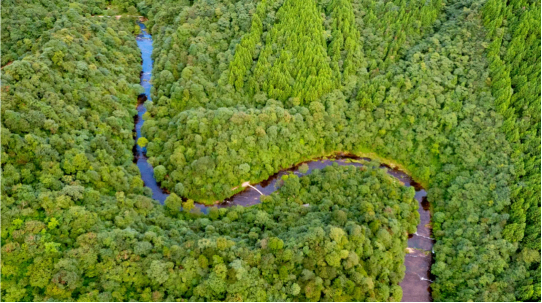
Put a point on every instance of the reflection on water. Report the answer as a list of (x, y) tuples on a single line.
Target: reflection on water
[(418, 261)]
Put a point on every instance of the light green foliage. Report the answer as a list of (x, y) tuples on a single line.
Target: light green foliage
[(173, 203), (159, 173), (246, 49), (142, 141), (197, 44), (193, 257), (24, 22), (294, 62), (67, 110), (514, 56), (345, 48), (418, 82), (243, 89)]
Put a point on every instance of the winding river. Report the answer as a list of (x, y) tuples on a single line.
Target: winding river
[(418, 260)]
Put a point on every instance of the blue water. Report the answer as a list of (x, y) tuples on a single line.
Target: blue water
[(144, 42), (417, 276)]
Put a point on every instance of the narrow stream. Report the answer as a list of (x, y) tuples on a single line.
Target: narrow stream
[(144, 42), (416, 284)]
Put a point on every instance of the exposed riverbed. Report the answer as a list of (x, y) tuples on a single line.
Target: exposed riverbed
[(416, 284)]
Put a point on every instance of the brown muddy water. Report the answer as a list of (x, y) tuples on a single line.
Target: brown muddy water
[(418, 260)]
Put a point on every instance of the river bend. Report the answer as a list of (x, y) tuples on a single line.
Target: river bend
[(418, 260)]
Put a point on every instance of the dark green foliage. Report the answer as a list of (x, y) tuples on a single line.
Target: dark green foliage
[(128, 248), (423, 93), (66, 152), (389, 28), (194, 46), (449, 90), (515, 58), (23, 22)]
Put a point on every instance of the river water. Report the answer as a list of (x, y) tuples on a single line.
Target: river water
[(144, 42), (418, 260)]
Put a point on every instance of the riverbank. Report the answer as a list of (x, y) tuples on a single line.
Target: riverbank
[(418, 260)]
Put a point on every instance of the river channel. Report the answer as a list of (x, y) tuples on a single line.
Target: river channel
[(418, 260)]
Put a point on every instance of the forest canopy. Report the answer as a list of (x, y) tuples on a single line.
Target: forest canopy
[(448, 90)]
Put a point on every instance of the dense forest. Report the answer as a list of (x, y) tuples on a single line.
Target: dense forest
[(448, 90)]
